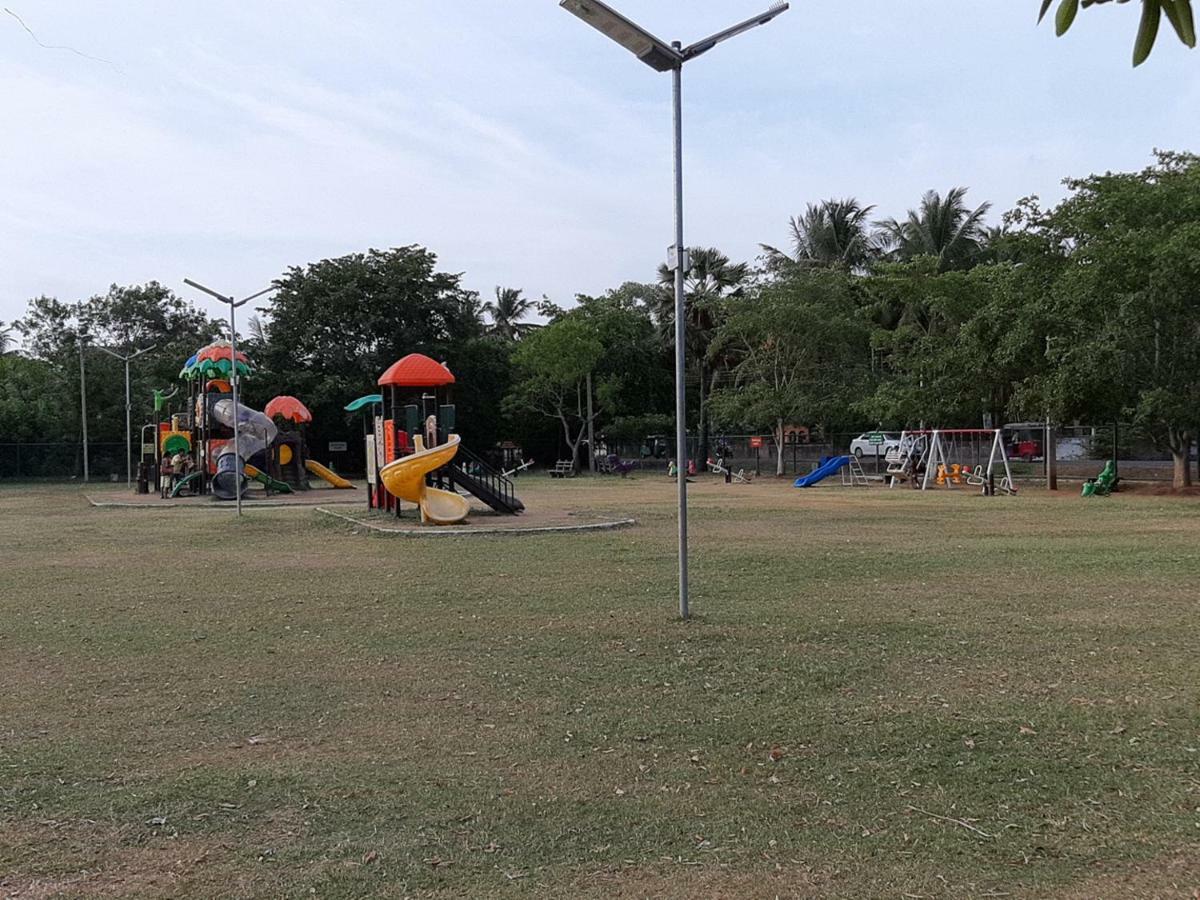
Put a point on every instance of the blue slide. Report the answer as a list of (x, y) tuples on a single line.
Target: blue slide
[(823, 471)]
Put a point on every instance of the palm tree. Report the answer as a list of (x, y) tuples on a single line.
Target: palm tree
[(6, 339), (506, 313), (833, 234), (258, 330), (943, 228), (710, 280)]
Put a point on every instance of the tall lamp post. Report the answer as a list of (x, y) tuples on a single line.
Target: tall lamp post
[(82, 335), (128, 415), (233, 373), (663, 57)]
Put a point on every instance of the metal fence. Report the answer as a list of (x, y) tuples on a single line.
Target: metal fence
[(1080, 449), (62, 461)]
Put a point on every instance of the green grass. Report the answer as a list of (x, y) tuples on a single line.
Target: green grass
[(966, 697)]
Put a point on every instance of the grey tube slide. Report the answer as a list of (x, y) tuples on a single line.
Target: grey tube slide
[(255, 433)]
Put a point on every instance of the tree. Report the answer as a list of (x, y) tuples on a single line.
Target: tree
[(711, 280), (7, 341), (611, 338), (125, 319), (943, 227), (32, 400), (506, 313), (952, 348), (1123, 322), (337, 324), (1178, 12), (258, 330), (833, 234), (802, 356)]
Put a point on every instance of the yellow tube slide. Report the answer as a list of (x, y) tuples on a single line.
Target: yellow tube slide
[(405, 479), (321, 472)]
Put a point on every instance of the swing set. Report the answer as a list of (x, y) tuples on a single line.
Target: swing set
[(948, 457)]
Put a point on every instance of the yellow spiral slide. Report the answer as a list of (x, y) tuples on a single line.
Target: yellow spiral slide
[(405, 479)]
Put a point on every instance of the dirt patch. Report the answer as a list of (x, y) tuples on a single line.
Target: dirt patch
[(96, 861), (703, 881), (1162, 490), (1177, 875)]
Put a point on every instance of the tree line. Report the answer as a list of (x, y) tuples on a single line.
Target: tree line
[(1088, 310)]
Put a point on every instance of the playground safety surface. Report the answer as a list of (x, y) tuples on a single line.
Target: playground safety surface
[(481, 521)]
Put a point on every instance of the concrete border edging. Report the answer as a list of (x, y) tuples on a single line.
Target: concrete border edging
[(436, 532)]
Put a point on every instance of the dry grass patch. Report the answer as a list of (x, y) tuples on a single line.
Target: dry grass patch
[(882, 692)]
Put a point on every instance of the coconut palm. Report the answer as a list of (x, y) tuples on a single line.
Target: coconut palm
[(832, 234), (506, 313), (943, 227), (6, 339), (258, 330), (711, 279)]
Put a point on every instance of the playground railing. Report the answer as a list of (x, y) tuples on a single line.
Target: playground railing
[(475, 466)]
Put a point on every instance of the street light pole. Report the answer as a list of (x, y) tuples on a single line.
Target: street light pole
[(83, 405), (233, 376), (128, 409), (661, 57), (681, 265)]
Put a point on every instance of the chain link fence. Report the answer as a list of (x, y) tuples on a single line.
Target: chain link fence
[(62, 461), (1082, 450)]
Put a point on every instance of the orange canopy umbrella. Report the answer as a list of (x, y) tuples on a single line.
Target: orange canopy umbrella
[(289, 408)]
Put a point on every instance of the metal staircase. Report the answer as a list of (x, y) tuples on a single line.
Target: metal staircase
[(470, 472)]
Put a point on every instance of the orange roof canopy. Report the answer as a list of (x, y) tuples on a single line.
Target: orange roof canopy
[(416, 370), (289, 408)]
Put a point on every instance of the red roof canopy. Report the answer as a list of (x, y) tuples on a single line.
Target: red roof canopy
[(288, 408), (416, 370)]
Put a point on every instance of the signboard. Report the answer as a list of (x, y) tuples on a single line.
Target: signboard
[(756, 443), (337, 447), (875, 437), (147, 449), (371, 461)]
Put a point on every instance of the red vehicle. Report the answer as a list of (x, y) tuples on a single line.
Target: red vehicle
[(1025, 440)]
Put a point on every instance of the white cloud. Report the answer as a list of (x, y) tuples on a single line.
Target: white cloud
[(239, 139)]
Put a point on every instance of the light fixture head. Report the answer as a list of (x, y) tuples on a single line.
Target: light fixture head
[(656, 53)]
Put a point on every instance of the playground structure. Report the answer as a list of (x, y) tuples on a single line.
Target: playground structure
[(413, 454), (193, 451), (849, 467), (739, 476), (939, 458), (1104, 483)]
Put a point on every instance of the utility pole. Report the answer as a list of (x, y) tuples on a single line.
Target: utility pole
[(1050, 442), (663, 57), (233, 377), (83, 405), (128, 409), (591, 433)]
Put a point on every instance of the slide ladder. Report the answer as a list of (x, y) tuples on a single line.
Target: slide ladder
[(470, 472), (856, 477)]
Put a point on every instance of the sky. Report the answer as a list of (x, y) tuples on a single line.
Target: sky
[(227, 141)]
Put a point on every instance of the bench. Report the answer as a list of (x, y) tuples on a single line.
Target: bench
[(564, 468)]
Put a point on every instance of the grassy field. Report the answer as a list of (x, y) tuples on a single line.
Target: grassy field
[(882, 693)]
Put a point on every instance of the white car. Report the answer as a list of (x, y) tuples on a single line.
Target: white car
[(862, 446)]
